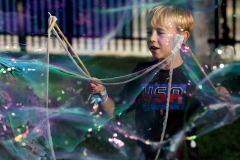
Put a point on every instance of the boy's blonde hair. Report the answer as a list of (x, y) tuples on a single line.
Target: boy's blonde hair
[(163, 16)]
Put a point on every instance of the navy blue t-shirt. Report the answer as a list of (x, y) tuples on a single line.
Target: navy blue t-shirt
[(150, 104)]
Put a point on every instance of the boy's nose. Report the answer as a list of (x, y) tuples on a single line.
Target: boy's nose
[(153, 37)]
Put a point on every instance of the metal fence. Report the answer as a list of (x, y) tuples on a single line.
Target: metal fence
[(105, 27), (76, 18), (82, 46), (98, 27)]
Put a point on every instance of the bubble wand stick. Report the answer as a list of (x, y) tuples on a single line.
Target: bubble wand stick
[(53, 25), (69, 45), (101, 97)]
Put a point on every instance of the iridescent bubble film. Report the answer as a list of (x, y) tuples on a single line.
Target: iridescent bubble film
[(45, 111), (34, 125)]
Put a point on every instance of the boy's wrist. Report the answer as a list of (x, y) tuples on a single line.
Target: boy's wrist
[(104, 96)]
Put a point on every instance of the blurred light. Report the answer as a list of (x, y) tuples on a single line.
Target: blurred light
[(147, 142), (214, 67), (191, 137), (193, 144), (90, 129), (85, 152), (18, 138), (116, 141), (200, 86), (219, 51), (221, 65), (4, 128)]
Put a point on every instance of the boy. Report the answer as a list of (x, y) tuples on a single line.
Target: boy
[(163, 22)]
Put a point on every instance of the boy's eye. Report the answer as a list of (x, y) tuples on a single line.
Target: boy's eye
[(160, 33), (149, 32)]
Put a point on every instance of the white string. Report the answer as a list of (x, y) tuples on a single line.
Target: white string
[(94, 79), (167, 107), (129, 80), (97, 81), (51, 22), (177, 42), (69, 54)]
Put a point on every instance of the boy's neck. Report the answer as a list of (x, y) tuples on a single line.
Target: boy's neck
[(177, 62)]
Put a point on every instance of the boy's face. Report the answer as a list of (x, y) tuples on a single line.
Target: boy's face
[(160, 40)]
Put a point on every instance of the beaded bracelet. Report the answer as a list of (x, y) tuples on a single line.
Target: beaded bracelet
[(104, 96)]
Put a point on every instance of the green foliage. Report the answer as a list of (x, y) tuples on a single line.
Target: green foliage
[(221, 144)]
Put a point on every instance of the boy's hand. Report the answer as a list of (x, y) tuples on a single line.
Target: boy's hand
[(98, 94), (223, 94), (95, 88)]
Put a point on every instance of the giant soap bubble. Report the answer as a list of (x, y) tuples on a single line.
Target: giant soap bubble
[(45, 112)]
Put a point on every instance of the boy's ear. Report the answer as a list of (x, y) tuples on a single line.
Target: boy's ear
[(186, 35)]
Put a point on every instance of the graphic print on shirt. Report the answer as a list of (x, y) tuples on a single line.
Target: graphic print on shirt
[(155, 96)]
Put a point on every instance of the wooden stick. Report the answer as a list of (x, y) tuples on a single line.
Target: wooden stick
[(69, 45), (201, 68)]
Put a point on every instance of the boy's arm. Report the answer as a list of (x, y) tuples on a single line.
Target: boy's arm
[(108, 104), (108, 107)]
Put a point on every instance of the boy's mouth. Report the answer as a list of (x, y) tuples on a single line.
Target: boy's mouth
[(153, 48)]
